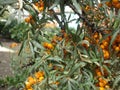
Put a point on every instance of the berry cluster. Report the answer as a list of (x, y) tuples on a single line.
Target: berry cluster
[(39, 6), (102, 82), (38, 77), (113, 3)]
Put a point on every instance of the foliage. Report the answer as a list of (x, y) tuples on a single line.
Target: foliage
[(87, 58)]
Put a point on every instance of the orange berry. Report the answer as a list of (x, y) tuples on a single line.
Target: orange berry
[(105, 81), (65, 35), (107, 86), (87, 8), (57, 83), (30, 16), (13, 45), (102, 46), (101, 88), (99, 73), (27, 85), (115, 2), (117, 49), (37, 4), (85, 45), (100, 5), (101, 84), (101, 79), (114, 46), (97, 70), (59, 38), (109, 4), (45, 44), (30, 88), (117, 6), (95, 36), (105, 44), (106, 54), (40, 79), (39, 74), (40, 8), (27, 20), (31, 80), (118, 37), (97, 41), (50, 46)]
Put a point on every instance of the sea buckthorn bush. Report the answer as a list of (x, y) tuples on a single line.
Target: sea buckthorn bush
[(61, 58)]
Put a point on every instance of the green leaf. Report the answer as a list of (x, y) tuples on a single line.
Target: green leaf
[(74, 83), (115, 33), (46, 69), (69, 85), (55, 58), (6, 2), (77, 6), (76, 66), (69, 17), (36, 44), (55, 4), (79, 30), (31, 48), (92, 54), (116, 23), (116, 81), (22, 46)]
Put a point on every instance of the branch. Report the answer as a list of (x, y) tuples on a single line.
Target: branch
[(83, 18), (57, 19)]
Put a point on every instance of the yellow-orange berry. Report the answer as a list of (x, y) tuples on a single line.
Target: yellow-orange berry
[(99, 73), (115, 2), (95, 36), (117, 49), (101, 79), (50, 46), (107, 86), (31, 80), (105, 81), (13, 45), (102, 46), (45, 44), (87, 8), (28, 85), (101, 84), (40, 8), (39, 74), (57, 83), (30, 88), (101, 88), (106, 54), (105, 44), (40, 79), (28, 19)]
